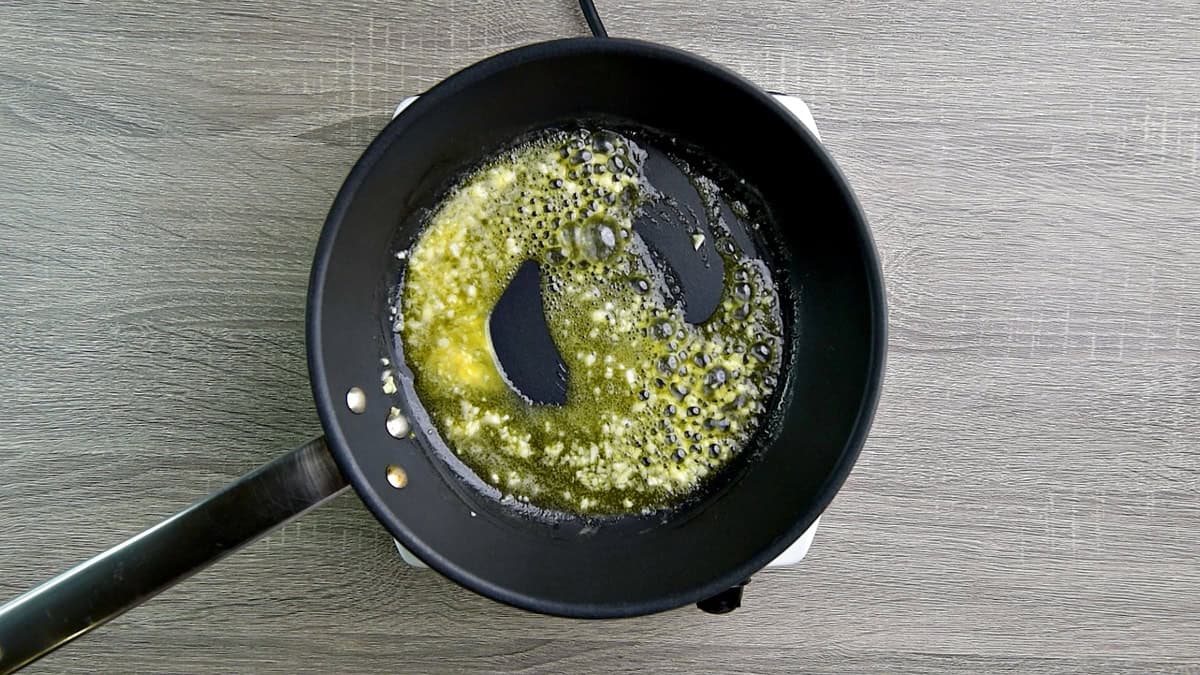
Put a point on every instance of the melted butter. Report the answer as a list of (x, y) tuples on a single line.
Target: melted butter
[(654, 404)]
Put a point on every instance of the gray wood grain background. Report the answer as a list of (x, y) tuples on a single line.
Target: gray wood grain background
[(1030, 496)]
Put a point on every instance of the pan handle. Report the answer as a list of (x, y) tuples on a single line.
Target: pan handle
[(87, 596)]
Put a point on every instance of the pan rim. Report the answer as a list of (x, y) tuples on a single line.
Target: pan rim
[(326, 401)]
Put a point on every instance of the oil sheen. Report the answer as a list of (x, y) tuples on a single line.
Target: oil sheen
[(655, 405)]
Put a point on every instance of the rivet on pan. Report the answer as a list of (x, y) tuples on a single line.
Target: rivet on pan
[(397, 424), (356, 400), (396, 476)]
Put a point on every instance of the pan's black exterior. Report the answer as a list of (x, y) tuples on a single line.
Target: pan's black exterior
[(578, 567)]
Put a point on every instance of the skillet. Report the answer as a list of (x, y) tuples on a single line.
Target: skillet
[(835, 327)]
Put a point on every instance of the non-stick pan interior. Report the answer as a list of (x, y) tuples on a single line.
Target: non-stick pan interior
[(601, 567)]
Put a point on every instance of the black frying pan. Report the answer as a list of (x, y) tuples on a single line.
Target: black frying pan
[(578, 567)]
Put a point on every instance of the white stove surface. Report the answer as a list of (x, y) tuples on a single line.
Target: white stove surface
[(796, 552)]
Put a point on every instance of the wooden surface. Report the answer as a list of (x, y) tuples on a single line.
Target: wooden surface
[(1029, 499)]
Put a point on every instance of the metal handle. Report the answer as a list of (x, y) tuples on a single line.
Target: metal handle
[(89, 595)]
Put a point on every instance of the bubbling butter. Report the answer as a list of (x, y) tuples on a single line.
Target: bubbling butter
[(654, 404)]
